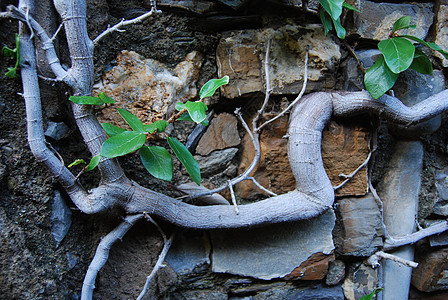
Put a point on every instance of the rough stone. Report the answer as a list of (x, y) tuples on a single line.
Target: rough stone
[(222, 133), (198, 6), (441, 205), (441, 30), (146, 87), (60, 218), (314, 268), (240, 55), (353, 78), (440, 239), (344, 149), (57, 130), (319, 292), (376, 19), (274, 251), (361, 280), (363, 226), (336, 272), (188, 251), (216, 161), (432, 271)]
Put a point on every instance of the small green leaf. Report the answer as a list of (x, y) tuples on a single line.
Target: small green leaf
[(8, 52), (403, 23), (77, 162), (205, 122), (340, 30), (186, 159), (93, 163), (370, 296), (379, 78), (179, 106), (196, 110), (12, 73), (132, 120), (433, 46), (86, 100), (105, 98), (326, 21), (421, 63), (333, 7), (209, 88), (349, 7), (185, 117), (122, 144), (398, 53), (159, 125), (112, 130), (158, 162)]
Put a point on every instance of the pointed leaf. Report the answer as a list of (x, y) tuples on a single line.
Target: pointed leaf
[(132, 120), (76, 162), (112, 130), (158, 162), (86, 100), (333, 7), (340, 30), (186, 159), (159, 125), (105, 98), (196, 110), (371, 295), (12, 73), (403, 23), (122, 144), (209, 88), (379, 78), (433, 46), (398, 53), (349, 7), (326, 21), (93, 163), (421, 63)]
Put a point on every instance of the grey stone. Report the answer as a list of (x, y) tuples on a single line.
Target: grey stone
[(196, 134), (216, 161), (336, 272), (57, 130), (60, 218), (376, 19), (361, 280), (198, 6), (353, 78), (273, 251), (199, 295), (441, 205), (189, 250), (234, 3), (441, 30), (363, 226), (319, 292), (440, 239), (72, 260)]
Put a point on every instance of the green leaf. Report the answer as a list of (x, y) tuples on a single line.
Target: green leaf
[(158, 162), (326, 21), (112, 130), (179, 106), (333, 7), (433, 46), (86, 100), (421, 63), (105, 98), (159, 125), (8, 52), (349, 7), (196, 110), (122, 144), (93, 163), (403, 23), (398, 53), (12, 73), (370, 296), (209, 88), (132, 120), (186, 159), (205, 122), (77, 162), (185, 117), (340, 30), (379, 78)]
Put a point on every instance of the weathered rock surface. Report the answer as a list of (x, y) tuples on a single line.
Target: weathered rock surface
[(361, 280), (363, 225), (240, 55), (274, 251), (353, 78), (216, 161), (336, 272), (198, 6), (222, 133), (432, 271), (319, 292), (146, 87), (376, 19), (57, 130), (441, 204), (441, 29), (60, 218)]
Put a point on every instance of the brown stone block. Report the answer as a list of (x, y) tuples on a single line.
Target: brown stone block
[(431, 273), (314, 268)]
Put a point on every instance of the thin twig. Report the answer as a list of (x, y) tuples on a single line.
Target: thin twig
[(374, 260), (353, 53), (123, 22), (305, 81), (261, 187), (268, 87), (232, 195), (349, 177)]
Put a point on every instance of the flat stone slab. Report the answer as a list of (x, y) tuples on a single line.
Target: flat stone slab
[(273, 251)]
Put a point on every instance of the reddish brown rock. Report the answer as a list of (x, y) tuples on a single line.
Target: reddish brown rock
[(314, 268), (432, 271), (221, 134)]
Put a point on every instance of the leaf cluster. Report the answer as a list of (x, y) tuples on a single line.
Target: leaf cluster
[(330, 15), (14, 54)]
